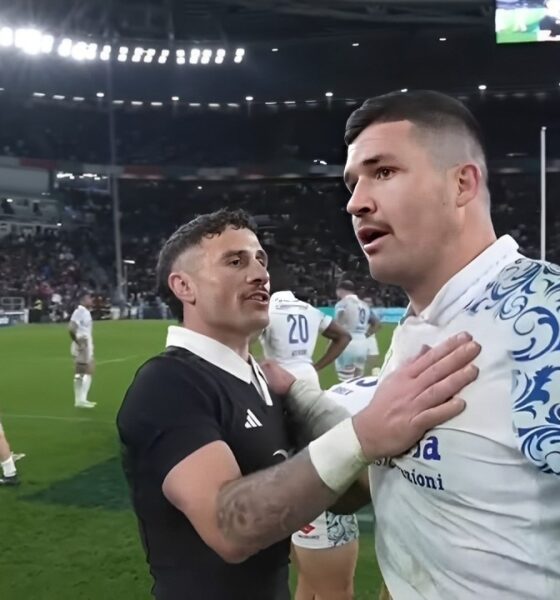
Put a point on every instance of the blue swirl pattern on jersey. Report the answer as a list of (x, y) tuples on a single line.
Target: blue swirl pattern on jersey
[(527, 293)]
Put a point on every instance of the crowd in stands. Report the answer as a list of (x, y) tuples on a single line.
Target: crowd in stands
[(303, 226)]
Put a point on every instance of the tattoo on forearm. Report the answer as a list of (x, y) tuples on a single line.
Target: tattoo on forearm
[(268, 506)]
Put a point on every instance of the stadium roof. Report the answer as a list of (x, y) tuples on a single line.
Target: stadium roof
[(241, 20)]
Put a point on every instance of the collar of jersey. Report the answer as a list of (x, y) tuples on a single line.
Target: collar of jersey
[(468, 283), (284, 296), (212, 351)]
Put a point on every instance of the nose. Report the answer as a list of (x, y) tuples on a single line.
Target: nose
[(361, 202), (258, 273)]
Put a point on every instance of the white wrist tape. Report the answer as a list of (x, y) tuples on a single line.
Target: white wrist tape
[(337, 456)]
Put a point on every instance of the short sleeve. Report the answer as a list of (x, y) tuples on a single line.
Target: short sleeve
[(169, 413), (324, 320), (75, 318), (536, 378)]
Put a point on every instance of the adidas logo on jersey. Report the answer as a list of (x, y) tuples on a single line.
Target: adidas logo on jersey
[(251, 422)]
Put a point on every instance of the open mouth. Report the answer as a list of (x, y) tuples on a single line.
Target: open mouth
[(260, 296), (370, 235)]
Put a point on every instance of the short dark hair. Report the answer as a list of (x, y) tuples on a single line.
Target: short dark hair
[(189, 235), (424, 108), (347, 285)]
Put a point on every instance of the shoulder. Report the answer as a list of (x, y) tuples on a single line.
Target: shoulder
[(526, 298)]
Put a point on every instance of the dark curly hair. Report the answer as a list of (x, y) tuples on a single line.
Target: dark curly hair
[(189, 235)]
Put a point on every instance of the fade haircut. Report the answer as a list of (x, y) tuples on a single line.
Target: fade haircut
[(446, 124), (188, 236)]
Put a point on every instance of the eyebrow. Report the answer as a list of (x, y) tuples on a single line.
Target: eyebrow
[(233, 253), (369, 162)]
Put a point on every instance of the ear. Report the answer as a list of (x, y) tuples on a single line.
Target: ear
[(467, 183), (181, 284)]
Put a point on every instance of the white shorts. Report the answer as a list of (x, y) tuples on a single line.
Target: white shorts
[(327, 531), (82, 355), (354, 357), (373, 347), (303, 371)]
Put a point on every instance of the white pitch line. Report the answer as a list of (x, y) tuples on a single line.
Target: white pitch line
[(115, 360), (54, 418)]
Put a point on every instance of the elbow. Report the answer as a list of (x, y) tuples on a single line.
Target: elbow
[(233, 555)]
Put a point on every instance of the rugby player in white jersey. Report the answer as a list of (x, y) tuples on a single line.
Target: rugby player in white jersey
[(326, 550), (473, 510), (80, 329), (293, 330), (374, 361), (354, 315), (9, 474)]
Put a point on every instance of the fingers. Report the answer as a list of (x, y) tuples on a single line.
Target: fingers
[(444, 359), (445, 389), (427, 359), (428, 419)]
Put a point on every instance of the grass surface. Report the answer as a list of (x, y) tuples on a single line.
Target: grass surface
[(68, 532)]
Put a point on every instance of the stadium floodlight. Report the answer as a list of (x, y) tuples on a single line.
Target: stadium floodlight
[(118, 102), (249, 98), (28, 40), (165, 52), (65, 47), (91, 52), (79, 51), (175, 98), (195, 56), (123, 50), (329, 94), (181, 60), (122, 57), (47, 43), (148, 58), (355, 44), (59, 224), (443, 39), (58, 97), (156, 104), (271, 103), (105, 52), (151, 51), (198, 187), (274, 49), (213, 105), (233, 104), (100, 95), (162, 59), (482, 87), (206, 56), (38, 94), (194, 104), (9, 200), (404, 90), (136, 58), (137, 103), (6, 36), (78, 98), (289, 102), (220, 55), (239, 54), (180, 52), (138, 50), (129, 261)]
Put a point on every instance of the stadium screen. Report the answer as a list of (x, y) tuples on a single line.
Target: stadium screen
[(520, 21)]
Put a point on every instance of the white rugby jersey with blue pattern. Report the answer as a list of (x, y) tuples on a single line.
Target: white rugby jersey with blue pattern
[(473, 511)]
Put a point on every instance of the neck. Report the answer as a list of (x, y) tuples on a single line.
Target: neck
[(422, 292), (233, 340)]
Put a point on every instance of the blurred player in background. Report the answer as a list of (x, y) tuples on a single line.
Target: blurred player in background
[(326, 550), (352, 314), (80, 328), (9, 474), (374, 359), (292, 333)]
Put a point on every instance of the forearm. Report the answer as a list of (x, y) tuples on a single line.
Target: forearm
[(312, 411), (333, 351), (268, 506)]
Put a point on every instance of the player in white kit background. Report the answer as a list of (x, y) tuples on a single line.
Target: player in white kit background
[(80, 329), (293, 330), (326, 550), (354, 315), (473, 510)]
